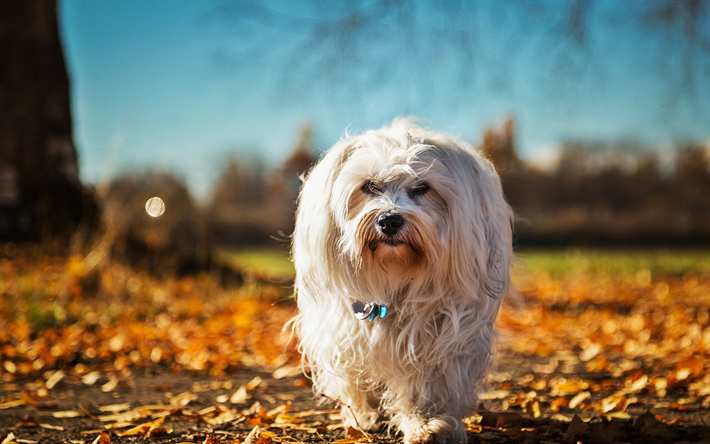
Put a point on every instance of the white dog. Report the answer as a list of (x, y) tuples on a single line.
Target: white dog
[(402, 247)]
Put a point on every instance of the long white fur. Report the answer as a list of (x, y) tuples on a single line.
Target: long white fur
[(422, 364)]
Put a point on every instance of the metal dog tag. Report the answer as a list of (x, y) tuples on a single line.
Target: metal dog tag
[(362, 310), (369, 310)]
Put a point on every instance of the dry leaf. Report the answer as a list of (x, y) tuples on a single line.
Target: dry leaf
[(148, 429), (254, 383), (10, 367), (103, 438), (183, 399), (287, 371), (90, 378), (613, 403), (110, 385), (54, 379), (253, 436), (570, 388), (115, 408), (494, 394), (12, 404), (28, 421), (240, 396), (353, 440), (532, 408), (67, 414), (579, 399)]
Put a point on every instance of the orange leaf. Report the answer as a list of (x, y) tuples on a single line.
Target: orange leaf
[(152, 428), (103, 438)]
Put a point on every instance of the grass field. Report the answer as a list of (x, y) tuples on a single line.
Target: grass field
[(564, 262), (270, 261), (557, 263)]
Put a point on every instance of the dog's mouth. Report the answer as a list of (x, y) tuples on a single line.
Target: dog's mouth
[(389, 242), (395, 243)]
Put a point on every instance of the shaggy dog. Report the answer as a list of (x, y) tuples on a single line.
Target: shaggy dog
[(402, 248)]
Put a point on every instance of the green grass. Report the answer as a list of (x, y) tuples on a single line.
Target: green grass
[(271, 261), (615, 262), (557, 262)]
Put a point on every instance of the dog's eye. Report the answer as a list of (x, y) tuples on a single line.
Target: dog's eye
[(370, 188), (420, 190)]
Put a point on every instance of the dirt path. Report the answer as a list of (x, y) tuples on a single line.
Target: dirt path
[(156, 406)]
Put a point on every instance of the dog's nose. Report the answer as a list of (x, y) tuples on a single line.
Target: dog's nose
[(390, 223)]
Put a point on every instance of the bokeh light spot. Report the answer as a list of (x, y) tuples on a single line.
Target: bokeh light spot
[(155, 207)]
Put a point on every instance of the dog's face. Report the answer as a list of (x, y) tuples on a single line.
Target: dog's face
[(393, 213), (402, 205)]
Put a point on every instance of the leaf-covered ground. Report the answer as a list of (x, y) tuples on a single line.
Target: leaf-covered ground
[(94, 352)]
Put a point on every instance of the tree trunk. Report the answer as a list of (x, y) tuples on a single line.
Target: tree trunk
[(40, 193)]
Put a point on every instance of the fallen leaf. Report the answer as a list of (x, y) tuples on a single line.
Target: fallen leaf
[(110, 385), (67, 414), (12, 404), (494, 394), (240, 396), (54, 379), (579, 399), (115, 408), (254, 383), (613, 403), (557, 403), (532, 408), (28, 421), (253, 436), (10, 367), (287, 371), (90, 378), (183, 399), (639, 384), (103, 438), (569, 387), (590, 352), (351, 440), (148, 429)]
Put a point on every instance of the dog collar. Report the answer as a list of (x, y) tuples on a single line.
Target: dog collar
[(369, 310)]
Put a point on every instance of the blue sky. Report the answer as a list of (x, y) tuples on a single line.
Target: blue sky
[(162, 84)]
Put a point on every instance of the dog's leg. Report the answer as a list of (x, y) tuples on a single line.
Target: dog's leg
[(361, 414), (359, 404), (429, 411)]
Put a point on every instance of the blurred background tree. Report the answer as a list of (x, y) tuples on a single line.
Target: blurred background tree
[(40, 193)]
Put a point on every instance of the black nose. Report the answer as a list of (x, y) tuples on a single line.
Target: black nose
[(390, 223)]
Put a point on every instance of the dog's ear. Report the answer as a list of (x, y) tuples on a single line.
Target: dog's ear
[(479, 225), (315, 234)]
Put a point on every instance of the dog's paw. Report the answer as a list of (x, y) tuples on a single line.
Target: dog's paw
[(366, 421), (437, 431)]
